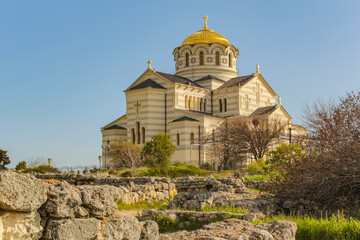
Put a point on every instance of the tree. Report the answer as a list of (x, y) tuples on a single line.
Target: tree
[(157, 153), (329, 175), (238, 136), (4, 159), (279, 159), (21, 166), (126, 155)]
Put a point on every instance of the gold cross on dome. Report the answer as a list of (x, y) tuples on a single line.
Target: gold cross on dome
[(205, 21), (137, 105)]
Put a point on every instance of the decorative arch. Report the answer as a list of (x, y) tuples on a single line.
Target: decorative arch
[(185, 51), (201, 49), (215, 49)]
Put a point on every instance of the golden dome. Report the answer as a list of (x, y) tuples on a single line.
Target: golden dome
[(206, 36)]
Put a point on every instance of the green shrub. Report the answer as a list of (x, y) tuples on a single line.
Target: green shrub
[(184, 170), (21, 166), (258, 166), (42, 169)]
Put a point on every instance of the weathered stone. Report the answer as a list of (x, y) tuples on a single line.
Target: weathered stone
[(81, 212), (63, 201), (125, 227), (66, 229), (239, 230), (100, 201), (280, 229), (149, 230), (20, 226), (21, 192)]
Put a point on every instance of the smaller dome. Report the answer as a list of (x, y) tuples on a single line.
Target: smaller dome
[(206, 36)]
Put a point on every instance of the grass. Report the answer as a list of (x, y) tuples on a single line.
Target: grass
[(336, 227), (140, 205), (229, 209), (256, 177)]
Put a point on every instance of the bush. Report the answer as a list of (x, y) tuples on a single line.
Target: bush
[(328, 176), (42, 169), (258, 166), (157, 154), (184, 170), (21, 166)]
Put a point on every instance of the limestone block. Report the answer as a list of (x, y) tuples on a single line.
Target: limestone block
[(21, 192), (66, 229), (20, 226), (125, 227), (149, 230), (63, 201), (100, 201)]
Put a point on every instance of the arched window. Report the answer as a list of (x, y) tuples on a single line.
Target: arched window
[(190, 103), (133, 135), (201, 105), (143, 134), (187, 60), (201, 58), (220, 105), (138, 132), (225, 105), (178, 139), (204, 105), (217, 58), (192, 137), (198, 104), (186, 102), (230, 60)]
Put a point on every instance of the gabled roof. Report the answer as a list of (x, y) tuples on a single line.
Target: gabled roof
[(185, 118), (238, 81), (177, 79), (148, 83), (112, 123), (208, 77), (115, 127), (264, 111)]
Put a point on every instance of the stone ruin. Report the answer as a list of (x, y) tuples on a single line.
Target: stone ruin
[(74, 206)]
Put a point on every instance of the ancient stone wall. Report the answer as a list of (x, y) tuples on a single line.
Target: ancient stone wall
[(56, 210)]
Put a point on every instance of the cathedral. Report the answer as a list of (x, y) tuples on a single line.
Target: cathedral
[(204, 91)]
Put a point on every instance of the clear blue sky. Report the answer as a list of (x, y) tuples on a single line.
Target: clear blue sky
[(64, 64)]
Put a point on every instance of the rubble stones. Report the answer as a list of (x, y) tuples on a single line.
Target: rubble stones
[(234, 229)]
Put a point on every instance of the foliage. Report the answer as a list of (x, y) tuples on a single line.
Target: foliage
[(256, 177), (4, 159), (157, 154), (329, 175), (125, 155), (230, 209), (144, 205), (281, 157), (257, 166), (21, 166), (42, 169), (336, 227), (185, 170)]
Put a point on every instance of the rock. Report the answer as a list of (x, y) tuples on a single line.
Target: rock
[(66, 229), (81, 212), (21, 192), (125, 227), (63, 201), (250, 217), (20, 226), (100, 201), (280, 229), (239, 230)]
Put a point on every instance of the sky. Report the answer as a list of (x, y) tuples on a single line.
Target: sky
[(65, 64)]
